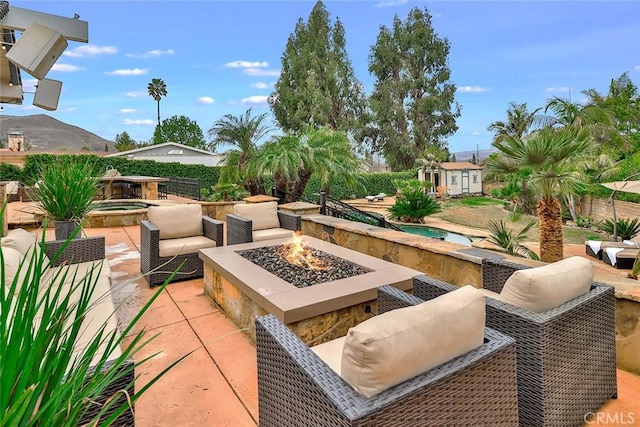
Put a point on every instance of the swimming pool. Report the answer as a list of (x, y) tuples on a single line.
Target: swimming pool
[(436, 233), (120, 205)]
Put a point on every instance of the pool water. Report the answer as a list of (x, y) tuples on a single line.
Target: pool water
[(436, 233), (119, 206)]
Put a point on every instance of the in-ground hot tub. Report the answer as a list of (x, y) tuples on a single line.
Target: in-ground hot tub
[(114, 213), (316, 313)]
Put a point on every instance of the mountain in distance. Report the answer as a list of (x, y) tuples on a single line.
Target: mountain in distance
[(43, 133)]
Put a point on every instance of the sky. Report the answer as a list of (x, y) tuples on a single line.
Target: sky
[(223, 57)]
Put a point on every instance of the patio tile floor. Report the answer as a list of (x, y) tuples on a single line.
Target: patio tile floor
[(216, 384)]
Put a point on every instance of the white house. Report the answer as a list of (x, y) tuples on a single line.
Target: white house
[(454, 178), (172, 152)]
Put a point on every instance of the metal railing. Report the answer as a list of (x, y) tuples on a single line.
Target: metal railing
[(184, 187)]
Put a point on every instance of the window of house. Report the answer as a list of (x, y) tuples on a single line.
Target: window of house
[(475, 179), (454, 180)]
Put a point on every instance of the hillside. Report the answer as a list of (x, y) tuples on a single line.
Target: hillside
[(44, 133)]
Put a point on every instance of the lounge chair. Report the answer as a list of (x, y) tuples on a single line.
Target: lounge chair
[(620, 258), (566, 354), (595, 248), (379, 196), (328, 384), (255, 222)]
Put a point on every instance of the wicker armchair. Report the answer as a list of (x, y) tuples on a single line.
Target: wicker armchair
[(157, 268), (242, 225), (89, 249), (296, 388), (566, 356)]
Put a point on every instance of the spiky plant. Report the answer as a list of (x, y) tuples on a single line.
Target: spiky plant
[(508, 240), (413, 204), (626, 228)]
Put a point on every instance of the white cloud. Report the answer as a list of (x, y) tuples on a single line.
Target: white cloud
[(258, 72), (127, 111), (246, 64), (472, 89), (29, 85), (476, 133), (66, 68), (563, 89), (255, 100), (155, 53), (138, 94), (638, 67), (390, 3), (90, 50), (145, 122), (259, 85), (128, 72), (206, 100)]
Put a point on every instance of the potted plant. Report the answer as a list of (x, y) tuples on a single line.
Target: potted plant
[(65, 192)]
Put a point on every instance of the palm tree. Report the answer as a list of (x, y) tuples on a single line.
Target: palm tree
[(293, 159), (519, 122), (157, 89), (550, 154), (242, 133)]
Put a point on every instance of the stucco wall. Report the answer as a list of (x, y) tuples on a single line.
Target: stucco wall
[(601, 209)]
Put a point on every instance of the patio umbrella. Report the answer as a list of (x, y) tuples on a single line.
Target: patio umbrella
[(626, 186)]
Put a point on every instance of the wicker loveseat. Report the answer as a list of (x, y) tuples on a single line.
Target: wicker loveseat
[(566, 355), (296, 387), (173, 235), (77, 258), (254, 222)]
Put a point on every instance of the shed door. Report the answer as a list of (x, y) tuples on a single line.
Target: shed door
[(465, 181)]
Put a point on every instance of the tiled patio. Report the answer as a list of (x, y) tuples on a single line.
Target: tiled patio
[(216, 384)]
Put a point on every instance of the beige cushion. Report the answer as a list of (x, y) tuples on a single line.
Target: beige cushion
[(18, 239), (272, 233), (263, 215), (177, 221), (542, 288), (331, 353), (12, 259), (401, 344), (185, 245)]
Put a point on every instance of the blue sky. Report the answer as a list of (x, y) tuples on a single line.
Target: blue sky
[(221, 57)]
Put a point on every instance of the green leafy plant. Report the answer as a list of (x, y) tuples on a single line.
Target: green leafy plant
[(66, 189), (584, 221), (501, 236), (46, 380), (635, 270), (412, 203), (626, 228), (227, 193)]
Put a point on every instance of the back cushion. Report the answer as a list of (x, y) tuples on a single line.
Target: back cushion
[(19, 239), (263, 215), (177, 221), (542, 288), (11, 260), (401, 344)]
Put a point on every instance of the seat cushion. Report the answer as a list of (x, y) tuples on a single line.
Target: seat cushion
[(331, 353), (185, 245), (19, 239), (540, 289), (177, 221), (401, 344), (262, 215), (271, 233)]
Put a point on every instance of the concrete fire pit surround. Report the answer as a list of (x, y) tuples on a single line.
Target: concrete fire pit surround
[(317, 313)]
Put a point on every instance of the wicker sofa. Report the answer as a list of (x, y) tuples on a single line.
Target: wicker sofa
[(298, 388), (254, 222), (566, 355), (171, 238), (80, 256)]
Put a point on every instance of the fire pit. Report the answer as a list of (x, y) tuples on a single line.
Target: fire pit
[(329, 290)]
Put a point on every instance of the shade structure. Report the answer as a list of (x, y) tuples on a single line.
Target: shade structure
[(626, 186)]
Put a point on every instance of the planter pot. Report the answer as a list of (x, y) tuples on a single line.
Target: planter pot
[(64, 229)]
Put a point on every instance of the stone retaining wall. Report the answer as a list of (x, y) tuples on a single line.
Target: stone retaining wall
[(601, 209)]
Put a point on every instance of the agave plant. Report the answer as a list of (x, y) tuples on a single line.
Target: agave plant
[(625, 228), (413, 204), (44, 383), (509, 241)]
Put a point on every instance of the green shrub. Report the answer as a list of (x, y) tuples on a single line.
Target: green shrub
[(227, 193), (9, 172), (506, 239), (626, 228), (584, 222), (412, 204)]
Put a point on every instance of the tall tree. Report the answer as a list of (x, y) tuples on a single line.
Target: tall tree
[(157, 89), (519, 121), (550, 154), (242, 133), (124, 142), (317, 85), (413, 98), (180, 129)]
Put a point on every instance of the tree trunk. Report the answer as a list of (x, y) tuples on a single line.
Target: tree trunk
[(550, 217)]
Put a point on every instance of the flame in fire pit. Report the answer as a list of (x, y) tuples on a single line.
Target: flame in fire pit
[(296, 253)]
